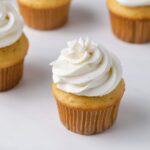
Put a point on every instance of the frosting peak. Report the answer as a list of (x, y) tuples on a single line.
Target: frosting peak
[(79, 51), (134, 3), (11, 24), (86, 69)]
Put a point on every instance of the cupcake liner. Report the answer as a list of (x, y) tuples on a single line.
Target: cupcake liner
[(87, 122), (45, 19), (129, 30), (10, 76)]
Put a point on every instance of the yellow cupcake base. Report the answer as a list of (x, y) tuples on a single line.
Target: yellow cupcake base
[(88, 115), (130, 24), (11, 63), (87, 122), (133, 31), (130, 30), (10, 76), (45, 18)]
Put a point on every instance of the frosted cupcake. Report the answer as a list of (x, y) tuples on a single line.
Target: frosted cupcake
[(88, 87), (13, 46), (130, 19), (44, 14)]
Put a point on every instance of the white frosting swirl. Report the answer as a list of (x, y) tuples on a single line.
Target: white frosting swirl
[(134, 3), (86, 69), (11, 24)]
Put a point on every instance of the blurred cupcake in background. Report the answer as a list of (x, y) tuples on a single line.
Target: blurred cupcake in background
[(130, 19), (13, 46), (44, 14), (88, 87)]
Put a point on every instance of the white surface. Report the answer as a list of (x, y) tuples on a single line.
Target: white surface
[(28, 114)]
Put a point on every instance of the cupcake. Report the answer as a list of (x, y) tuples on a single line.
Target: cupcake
[(130, 19), (88, 87), (13, 46), (44, 14)]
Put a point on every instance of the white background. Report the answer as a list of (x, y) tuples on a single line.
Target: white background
[(28, 114)]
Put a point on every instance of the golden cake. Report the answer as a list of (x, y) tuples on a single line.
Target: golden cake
[(13, 47), (130, 20), (44, 14), (88, 87)]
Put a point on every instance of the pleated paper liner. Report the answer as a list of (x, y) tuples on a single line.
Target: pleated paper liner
[(10, 77), (134, 31), (88, 122), (45, 19)]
